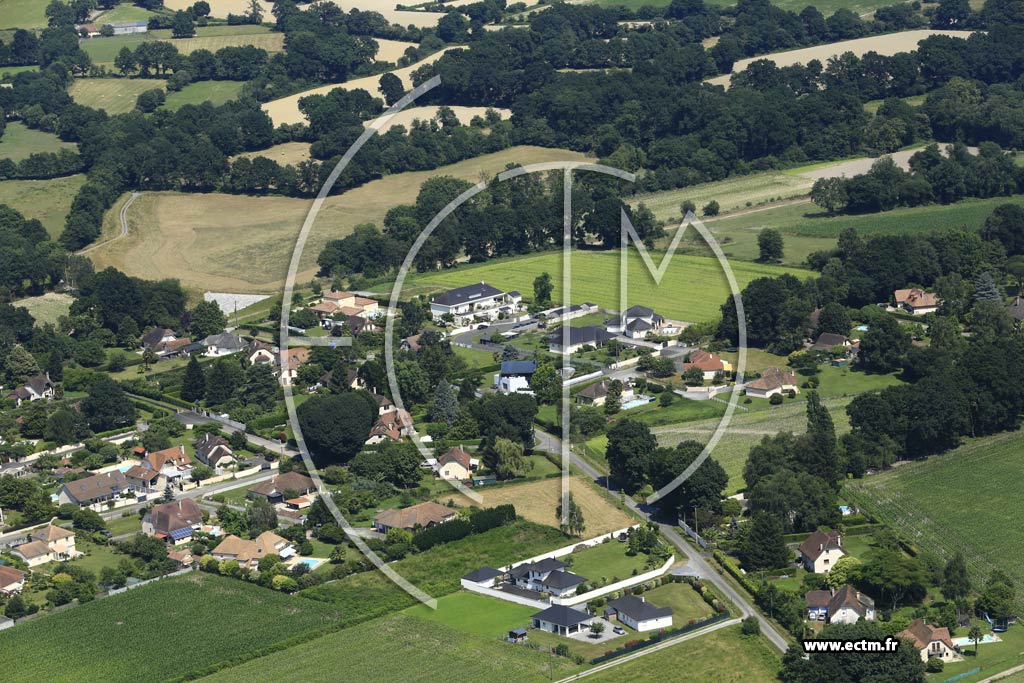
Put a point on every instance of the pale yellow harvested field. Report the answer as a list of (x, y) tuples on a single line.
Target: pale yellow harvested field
[(285, 153), (537, 500), (231, 243), (391, 50), (890, 44), (286, 109), (221, 9), (271, 42), (464, 114)]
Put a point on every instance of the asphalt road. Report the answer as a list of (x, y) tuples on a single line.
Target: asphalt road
[(696, 560)]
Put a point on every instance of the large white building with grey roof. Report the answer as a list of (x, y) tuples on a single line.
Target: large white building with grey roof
[(479, 302)]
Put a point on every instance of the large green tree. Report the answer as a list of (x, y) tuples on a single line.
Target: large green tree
[(336, 426)]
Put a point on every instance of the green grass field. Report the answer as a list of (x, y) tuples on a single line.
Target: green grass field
[(115, 95), (123, 12), (164, 629), (827, 7), (607, 561), (22, 14), (13, 70), (686, 603), (403, 648), (956, 501), (725, 656), (212, 38), (19, 141), (217, 92), (693, 288), (47, 308), (732, 194), (476, 614), (45, 200)]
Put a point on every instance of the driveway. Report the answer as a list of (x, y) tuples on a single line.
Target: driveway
[(586, 636)]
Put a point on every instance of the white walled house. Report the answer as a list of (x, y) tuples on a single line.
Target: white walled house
[(476, 302), (820, 552), (638, 614), (515, 376), (561, 620)]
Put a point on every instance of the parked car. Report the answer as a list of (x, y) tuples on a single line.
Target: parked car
[(619, 630)]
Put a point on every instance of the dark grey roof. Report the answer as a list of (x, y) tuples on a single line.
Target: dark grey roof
[(639, 324), (590, 334), (225, 340), (518, 367), (461, 295), (1017, 309), (560, 579), (638, 609), (561, 615), (548, 564), (827, 340), (639, 312), (483, 574)]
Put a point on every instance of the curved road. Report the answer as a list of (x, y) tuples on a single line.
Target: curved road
[(553, 444), (123, 218)]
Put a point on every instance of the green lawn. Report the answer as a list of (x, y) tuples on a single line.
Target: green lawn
[(115, 95), (217, 92), (22, 14), (606, 563), (208, 617), (45, 200), (47, 308), (19, 141), (693, 288), (404, 648), (956, 502), (991, 658), (125, 525), (123, 12), (725, 656), (685, 601), (14, 70), (476, 358), (476, 614)]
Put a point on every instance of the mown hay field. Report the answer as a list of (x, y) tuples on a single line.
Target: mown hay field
[(48, 201), (19, 141), (115, 95)]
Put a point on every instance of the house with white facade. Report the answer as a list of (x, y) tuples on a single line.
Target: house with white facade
[(561, 620), (820, 552), (478, 302), (638, 614), (515, 376)]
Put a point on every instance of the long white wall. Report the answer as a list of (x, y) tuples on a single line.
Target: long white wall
[(617, 586)]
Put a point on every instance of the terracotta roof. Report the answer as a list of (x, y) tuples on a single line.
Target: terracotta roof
[(773, 378), (338, 296), (818, 542), (244, 551), (51, 533), (183, 556), (327, 307), (916, 298), (296, 357), (456, 454), (424, 514), (412, 342), (284, 482), (143, 473), (9, 575), (922, 634), (706, 361), (174, 456)]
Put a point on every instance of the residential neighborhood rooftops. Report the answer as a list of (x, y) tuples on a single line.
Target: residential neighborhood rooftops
[(704, 360), (462, 295), (9, 575), (562, 615), (915, 298), (32, 549), (921, 634), (820, 541), (97, 486), (562, 579), (423, 514), (289, 481), (51, 533), (851, 598), (456, 454), (818, 599), (589, 334), (179, 514)]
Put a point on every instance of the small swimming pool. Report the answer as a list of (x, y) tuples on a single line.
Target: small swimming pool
[(965, 642), (636, 403), (862, 328), (311, 562)]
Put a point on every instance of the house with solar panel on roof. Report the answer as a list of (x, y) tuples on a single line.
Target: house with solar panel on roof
[(476, 303)]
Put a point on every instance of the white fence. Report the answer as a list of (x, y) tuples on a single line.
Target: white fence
[(502, 595), (578, 379), (617, 586), (567, 550)]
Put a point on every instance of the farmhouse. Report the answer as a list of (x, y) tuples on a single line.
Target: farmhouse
[(916, 301), (456, 465), (596, 394), (249, 553), (422, 516), (708, 363), (515, 376), (821, 550), (11, 580), (930, 641), (772, 381), (561, 620), (214, 451), (844, 606), (94, 489), (579, 337), (49, 544), (173, 522), (223, 345), (638, 614), (38, 388), (274, 488), (476, 302)]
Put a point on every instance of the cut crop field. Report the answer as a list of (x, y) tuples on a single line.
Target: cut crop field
[(959, 501), (404, 648), (22, 14), (286, 153), (233, 243), (45, 200), (692, 289), (221, 9), (887, 45), (732, 194), (19, 141), (115, 95), (724, 656), (212, 38), (217, 92), (210, 618), (536, 501)]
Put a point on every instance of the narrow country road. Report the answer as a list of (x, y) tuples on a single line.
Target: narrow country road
[(123, 218), (553, 444)]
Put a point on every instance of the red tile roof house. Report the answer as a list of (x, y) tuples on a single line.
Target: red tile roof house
[(916, 301), (930, 641), (456, 465), (821, 550), (424, 515), (173, 522), (772, 381), (274, 488), (173, 464), (11, 580), (708, 363)]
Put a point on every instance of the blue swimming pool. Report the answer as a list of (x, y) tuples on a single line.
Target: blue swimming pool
[(636, 403)]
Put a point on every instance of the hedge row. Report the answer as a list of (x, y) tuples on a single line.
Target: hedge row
[(478, 522)]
